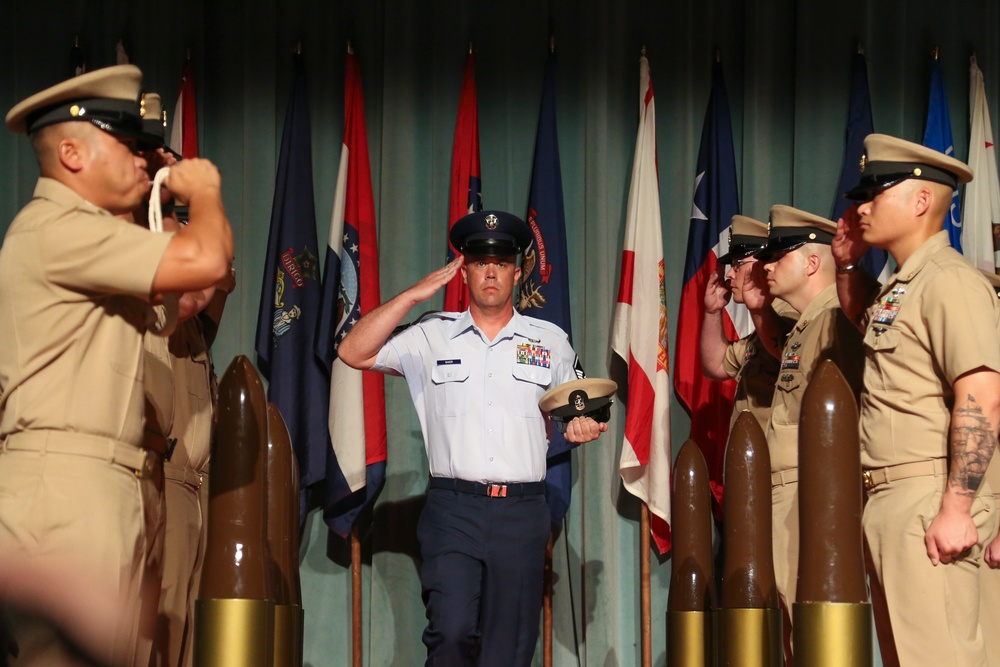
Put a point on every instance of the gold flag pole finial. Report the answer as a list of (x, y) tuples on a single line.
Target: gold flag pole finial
[(350, 49), (470, 47), (937, 52), (76, 40), (298, 47), (718, 55), (189, 54), (861, 48), (643, 51), (552, 43)]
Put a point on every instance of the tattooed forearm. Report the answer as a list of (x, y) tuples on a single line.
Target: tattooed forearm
[(973, 440)]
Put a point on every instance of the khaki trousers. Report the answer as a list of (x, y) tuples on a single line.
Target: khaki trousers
[(785, 543), (924, 615), (184, 553), (106, 521)]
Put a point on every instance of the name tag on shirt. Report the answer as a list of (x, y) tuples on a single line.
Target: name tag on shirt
[(448, 362), (534, 355)]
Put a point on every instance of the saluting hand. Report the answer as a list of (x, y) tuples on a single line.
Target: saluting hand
[(435, 280), (755, 293), (584, 429), (847, 246), (717, 293)]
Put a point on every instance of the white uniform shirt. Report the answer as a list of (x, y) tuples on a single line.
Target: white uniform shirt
[(477, 400)]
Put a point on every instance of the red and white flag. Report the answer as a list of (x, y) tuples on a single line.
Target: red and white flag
[(639, 339), (184, 127), (466, 187), (982, 195)]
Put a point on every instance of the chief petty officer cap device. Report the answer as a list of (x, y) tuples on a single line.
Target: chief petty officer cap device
[(490, 234), (589, 397)]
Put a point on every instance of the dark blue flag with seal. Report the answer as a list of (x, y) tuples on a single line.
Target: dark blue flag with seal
[(544, 288), (859, 126), (289, 300)]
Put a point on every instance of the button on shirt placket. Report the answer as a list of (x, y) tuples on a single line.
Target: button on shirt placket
[(493, 410)]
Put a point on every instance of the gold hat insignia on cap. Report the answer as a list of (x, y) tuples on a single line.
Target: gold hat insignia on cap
[(769, 226), (579, 401), (864, 162), (491, 221), (730, 235), (142, 106)]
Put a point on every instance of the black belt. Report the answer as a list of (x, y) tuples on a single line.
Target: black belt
[(491, 489)]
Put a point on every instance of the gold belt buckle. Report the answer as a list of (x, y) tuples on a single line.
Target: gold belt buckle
[(148, 464), (496, 490), (866, 476)]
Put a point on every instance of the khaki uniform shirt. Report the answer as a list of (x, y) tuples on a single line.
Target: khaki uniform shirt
[(935, 319), (74, 287), (822, 332), (755, 371), (192, 424)]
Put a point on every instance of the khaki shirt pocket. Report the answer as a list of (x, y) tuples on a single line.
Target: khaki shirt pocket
[(879, 341), (788, 392)]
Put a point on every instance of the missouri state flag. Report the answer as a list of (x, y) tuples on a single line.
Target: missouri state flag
[(356, 464), (716, 201), (639, 357)]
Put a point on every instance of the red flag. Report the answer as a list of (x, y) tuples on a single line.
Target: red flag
[(639, 339), (184, 130), (356, 472), (466, 187)]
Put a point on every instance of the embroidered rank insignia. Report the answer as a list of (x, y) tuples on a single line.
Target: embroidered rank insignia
[(749, 353), (534, 355), (790, 360), (888, 307)]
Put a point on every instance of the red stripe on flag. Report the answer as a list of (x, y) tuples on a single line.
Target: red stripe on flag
[(639, 418), (627, 277)]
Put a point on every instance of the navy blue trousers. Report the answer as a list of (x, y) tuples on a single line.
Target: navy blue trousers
[(482, 577)]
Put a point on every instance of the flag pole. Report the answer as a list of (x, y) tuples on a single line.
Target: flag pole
[(356, 596), (547, 607), (644, 595)]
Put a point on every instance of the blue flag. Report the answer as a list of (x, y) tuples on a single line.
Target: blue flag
[(859, 126), (937, 135), (544, 289), (290, 296)]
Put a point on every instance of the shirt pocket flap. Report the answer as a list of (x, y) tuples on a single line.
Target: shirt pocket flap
[(450, 373), (882, 339), (535, 374)]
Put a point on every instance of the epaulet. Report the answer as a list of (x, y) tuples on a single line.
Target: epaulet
[(429, 315), (545, 324)]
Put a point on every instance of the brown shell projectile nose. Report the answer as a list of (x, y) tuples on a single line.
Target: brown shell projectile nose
[(236, 556), (748, 570), (692, 587), (831, 556)]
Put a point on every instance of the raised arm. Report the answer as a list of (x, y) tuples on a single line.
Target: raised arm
[(713, 343), (975, 422), (854, 285), (199, 255), (361, 345)]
